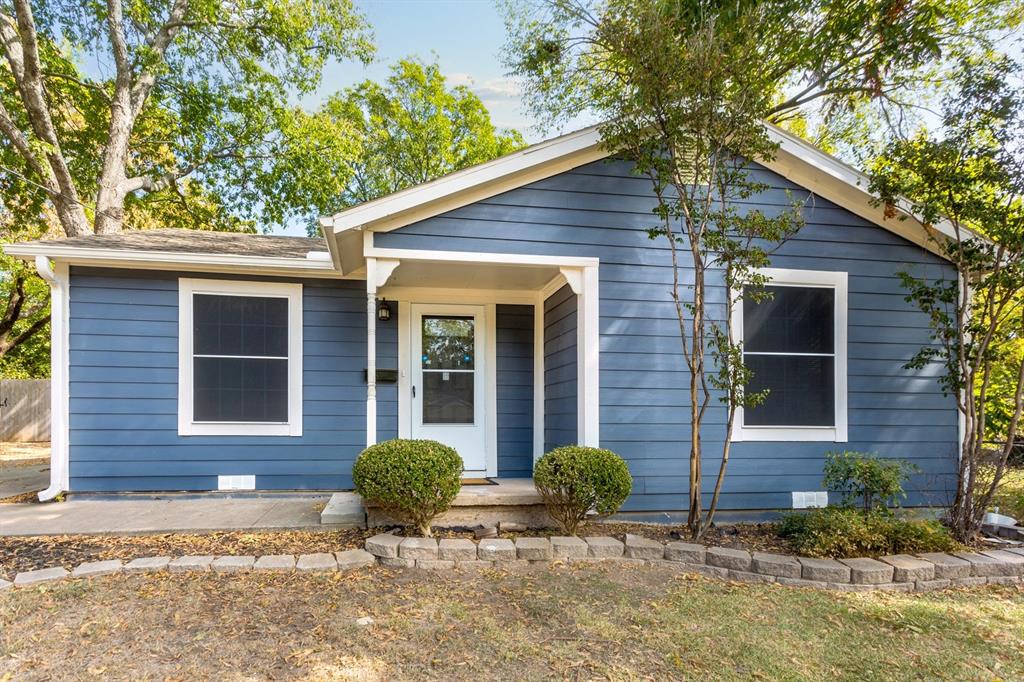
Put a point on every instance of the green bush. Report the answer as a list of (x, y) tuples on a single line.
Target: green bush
[(576, 481), (842, 533), (412, 480), (866, 479)]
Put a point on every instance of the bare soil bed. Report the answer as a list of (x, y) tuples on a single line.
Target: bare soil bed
[(28, 553)]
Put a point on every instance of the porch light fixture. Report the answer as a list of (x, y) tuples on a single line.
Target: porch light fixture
[(383, 311)]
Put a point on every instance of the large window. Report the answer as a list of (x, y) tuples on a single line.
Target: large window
[(794, 342), (240, 364)]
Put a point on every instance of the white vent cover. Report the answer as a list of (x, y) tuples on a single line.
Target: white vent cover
[(243, 482), (813, 498)]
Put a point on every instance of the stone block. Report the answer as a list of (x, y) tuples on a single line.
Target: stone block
[(686, 552), (96, 568), (456, 549), (708, 571), (275, 562), (748, 577), (1004, 580), (5, 584), (639, 547), (564, 547), (928, 585), (800, 582), (321, 561), (884, 587), (971, 581), (908, 569), (947, 566), (233, 564), (983, 565), (824, 570), (435, 564), (1014, 563), (725, 557), (418, 548), (778, 565), (864, 571), (384, 545), (42, 575), (149, 564), (396, 562), (534, 549), (184, 564), (496, 549), (473, 565), (351, 559), (604, 547), (511, 527)]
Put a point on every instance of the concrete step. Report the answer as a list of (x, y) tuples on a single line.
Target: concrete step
[(344, 510)]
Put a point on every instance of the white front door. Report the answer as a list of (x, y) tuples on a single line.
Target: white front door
[(448, 379)]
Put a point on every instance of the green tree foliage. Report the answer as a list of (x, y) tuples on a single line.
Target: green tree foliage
[(411, 129), (187, 113), (966, 180)]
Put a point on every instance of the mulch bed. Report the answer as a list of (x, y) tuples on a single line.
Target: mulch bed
[(28, 553)]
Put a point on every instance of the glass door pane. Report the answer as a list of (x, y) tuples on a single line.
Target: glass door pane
[(448, 365)]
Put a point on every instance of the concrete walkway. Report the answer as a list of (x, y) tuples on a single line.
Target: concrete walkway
[(18, 480), (163, 515)]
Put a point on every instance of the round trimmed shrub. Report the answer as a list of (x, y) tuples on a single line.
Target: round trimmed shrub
[(412, 480), (576, 481)]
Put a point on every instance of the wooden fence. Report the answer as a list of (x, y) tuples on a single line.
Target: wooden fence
[(24, 410)]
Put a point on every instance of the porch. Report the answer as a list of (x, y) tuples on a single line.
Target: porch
[(504, 499), (497, 354)]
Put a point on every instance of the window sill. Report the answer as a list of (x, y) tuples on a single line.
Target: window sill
[(754, 434), (239, 429)]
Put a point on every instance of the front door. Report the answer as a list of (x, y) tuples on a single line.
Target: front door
[(447, 386)]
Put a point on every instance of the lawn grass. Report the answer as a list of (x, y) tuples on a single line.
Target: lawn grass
[(589, 622)]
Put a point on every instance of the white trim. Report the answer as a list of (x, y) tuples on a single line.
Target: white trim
[(60, 304), (172, 260), (553, 285), (589, 322), (187, 288), (491, 387), (839, 281), (574, 278), (371, 351), (538, 374), (385, 268), (489, 377), (524, 259), (446, 295)]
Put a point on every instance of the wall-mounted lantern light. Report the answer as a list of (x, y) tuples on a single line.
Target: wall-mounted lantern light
[(383, 311)]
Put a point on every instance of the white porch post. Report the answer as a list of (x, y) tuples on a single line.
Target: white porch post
[(589, 341), (371, 351)]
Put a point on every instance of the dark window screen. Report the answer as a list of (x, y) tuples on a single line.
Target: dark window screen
[(789, 346), (240, 363)]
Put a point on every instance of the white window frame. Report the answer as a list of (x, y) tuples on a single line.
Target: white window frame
[(839, 281), (187, 289)]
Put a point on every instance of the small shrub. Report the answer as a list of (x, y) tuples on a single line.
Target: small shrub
[(866, 479), (412, 480), (841, 533), (576, 481)]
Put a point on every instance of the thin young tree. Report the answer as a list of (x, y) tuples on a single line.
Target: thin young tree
[(966, 179)]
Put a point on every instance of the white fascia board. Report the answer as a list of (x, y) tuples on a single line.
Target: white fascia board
[(472, 184), (165, 260)]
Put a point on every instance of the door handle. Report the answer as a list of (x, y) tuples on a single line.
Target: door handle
[(413, 391)]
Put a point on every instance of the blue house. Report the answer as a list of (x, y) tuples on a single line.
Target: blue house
[(504, 309)]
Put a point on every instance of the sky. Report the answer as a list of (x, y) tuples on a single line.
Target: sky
[(464, 36)]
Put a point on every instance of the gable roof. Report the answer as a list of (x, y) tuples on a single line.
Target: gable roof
[(185, 249), (796, 160)]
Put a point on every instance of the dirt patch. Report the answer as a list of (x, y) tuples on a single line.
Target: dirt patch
[(29, 553), (24, 454)]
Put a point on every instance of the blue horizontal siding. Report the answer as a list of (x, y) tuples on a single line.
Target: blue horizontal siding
[(560, 369), (514, 327), (602, 210), (124, 391)]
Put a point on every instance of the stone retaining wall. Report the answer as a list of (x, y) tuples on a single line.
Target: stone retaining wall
[(901, 572)]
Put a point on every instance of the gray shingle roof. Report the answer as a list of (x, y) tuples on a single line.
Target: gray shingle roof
[(196, 241)]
